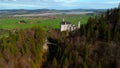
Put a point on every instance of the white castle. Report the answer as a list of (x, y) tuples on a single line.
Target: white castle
[(67, 26)]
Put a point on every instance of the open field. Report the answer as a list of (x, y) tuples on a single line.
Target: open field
[(45, 21), (53, 13)]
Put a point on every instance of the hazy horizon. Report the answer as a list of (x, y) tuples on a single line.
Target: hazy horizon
[(58, 4)]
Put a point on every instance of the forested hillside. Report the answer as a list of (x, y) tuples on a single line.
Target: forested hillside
[(22, 49), (94, 45)]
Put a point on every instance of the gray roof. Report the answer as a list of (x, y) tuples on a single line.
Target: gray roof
[(65, 22)]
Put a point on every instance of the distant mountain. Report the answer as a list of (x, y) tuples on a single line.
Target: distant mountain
[(25, 11)]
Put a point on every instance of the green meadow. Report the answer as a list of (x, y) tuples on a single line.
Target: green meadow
[(12, 23)]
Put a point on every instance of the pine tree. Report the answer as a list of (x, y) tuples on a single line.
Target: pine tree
[(119, 6), (54, 63), (99, 65), (65, 63), (86, 52), (108, 35), (85, 65)]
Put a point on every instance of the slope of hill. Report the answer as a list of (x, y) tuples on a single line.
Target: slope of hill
[(95, 45)]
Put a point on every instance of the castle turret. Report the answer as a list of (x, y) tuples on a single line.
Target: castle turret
[(63, 19), (79, 24)]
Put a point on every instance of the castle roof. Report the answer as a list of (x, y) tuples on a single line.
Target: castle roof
[(63, 22)]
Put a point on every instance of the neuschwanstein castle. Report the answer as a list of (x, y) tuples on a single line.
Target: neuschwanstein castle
[(67, 26)]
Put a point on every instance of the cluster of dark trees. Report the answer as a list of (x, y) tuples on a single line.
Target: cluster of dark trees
[(105, 28), (95, 45), (22, 49)]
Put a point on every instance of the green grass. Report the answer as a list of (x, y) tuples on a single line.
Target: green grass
[(11, 23)]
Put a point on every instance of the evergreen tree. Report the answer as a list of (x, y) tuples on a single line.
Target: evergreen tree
[(85, 65), (65, 63), (86, 52), (99, 65), (108, 35), (119, 6), (54, 63)]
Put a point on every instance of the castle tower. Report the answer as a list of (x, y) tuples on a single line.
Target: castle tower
[(63, 19), (79, 24)]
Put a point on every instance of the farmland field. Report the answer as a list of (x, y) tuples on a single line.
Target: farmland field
[(12, 23)]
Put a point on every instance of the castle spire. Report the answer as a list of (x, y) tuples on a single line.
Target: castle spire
[(63, 19), (79, 24)]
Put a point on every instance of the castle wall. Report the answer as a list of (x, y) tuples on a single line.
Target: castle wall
[(64, 27), (69, 27)]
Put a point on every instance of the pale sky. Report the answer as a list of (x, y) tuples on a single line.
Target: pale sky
[(58, 4)]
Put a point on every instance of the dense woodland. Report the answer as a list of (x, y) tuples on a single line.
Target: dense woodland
[(94, 45)]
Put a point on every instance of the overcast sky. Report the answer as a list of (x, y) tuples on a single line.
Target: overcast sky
[(58, 4)]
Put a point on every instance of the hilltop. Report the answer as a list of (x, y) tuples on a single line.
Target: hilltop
[(94, 45)]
